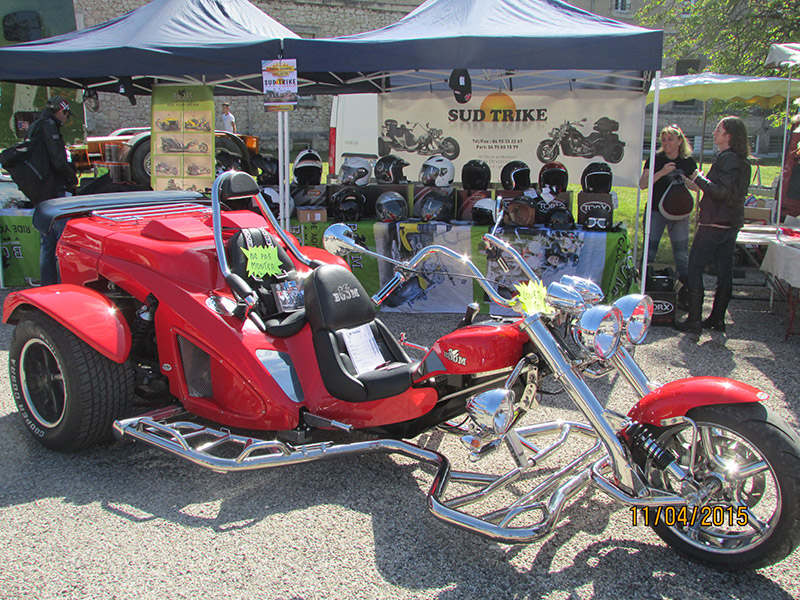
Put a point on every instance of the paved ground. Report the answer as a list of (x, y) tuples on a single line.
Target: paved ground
[(126, 521)]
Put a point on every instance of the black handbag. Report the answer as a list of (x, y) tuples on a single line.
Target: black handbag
[(676, 201)]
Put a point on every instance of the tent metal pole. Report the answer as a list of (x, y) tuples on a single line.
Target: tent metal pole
[(287, 176), (785, 143), (650, 181), (281, 172)]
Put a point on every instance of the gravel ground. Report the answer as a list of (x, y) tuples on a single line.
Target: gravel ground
[(127, 521)]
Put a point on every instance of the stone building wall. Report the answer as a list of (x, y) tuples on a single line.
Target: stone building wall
[(308, 123)]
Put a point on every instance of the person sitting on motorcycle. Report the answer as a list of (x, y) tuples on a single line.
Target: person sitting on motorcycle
[(675, 153)]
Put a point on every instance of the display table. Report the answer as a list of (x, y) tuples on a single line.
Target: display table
[(782, 263)]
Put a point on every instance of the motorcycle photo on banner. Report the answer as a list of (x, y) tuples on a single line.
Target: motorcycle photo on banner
[(574, 128)]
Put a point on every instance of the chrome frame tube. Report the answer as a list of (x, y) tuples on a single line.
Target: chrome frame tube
[(216, 220)]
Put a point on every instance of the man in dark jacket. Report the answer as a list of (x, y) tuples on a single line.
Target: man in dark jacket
[(56, 177)]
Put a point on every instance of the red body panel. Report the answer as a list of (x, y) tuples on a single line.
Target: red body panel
[(679, 397), (479, 348), (87, 314), (173, 257)]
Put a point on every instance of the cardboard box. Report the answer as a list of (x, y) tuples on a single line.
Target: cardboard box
[(756, 214), (664, 305), (590, 202), (309, 214)]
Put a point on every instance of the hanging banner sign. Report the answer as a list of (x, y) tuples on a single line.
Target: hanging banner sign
[(573, 128), (279, 78), (182, 140)]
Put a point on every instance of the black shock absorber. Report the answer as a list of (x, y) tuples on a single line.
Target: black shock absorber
[(143, 324), (643, 446)]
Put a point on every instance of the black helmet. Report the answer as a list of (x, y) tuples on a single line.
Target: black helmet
[(391, 206), (348, 204), (268, 169), (553, 175), (483, 211), (597, 218), (522, 211), (308, 168), (475, 175), (389, 169), (516, 175), (560, 218), (436, 205), (596, 178)]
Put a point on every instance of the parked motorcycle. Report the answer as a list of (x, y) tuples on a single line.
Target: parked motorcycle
[(429, 142), (197, 124), (603, 141), (163, 167), (197, 170), (201, 310), (169, 144), (168, 124)]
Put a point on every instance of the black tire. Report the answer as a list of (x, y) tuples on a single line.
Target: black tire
[(614, 153), (68, 393), (450, 148), (140, 163), (203, 147), (741, 436), (547, 151)]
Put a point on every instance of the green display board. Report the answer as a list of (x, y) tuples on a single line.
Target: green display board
[(20, 246)]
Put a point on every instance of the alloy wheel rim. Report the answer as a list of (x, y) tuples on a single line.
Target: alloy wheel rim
[(42, 382)]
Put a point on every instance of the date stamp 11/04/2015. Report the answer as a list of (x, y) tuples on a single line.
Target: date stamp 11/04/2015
[(690, 516)]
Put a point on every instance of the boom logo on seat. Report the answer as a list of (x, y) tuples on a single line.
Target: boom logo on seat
[(454, 356), (345, 292)]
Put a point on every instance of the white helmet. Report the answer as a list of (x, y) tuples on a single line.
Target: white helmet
[(437, 171), (355, 170), (308, 168)]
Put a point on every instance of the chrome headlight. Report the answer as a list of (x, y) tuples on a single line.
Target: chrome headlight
[(637, 315), (565, 297), (492, 412), (599, 330), (588, 289)]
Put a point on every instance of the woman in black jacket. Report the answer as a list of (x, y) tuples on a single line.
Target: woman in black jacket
[(721, 217)]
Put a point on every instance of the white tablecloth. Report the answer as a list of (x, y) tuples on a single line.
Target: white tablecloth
[(783, 261)]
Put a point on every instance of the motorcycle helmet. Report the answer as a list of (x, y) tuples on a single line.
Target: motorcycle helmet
[(391, 206), (389, 169), (597, 218), (268, 169), (483, 211), (515, 175), (596, 178), (475, 175), (348, 205), (308, 168), (553, 176), (355, 170), (436, 205), (560, 219), (273, 199), (437, 171), (521, 211)]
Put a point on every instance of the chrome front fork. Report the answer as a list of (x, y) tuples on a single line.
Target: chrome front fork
[(577, 388)]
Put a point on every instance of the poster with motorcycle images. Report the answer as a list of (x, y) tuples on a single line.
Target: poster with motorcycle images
[(437, 287), (574, 128), (182, 144)]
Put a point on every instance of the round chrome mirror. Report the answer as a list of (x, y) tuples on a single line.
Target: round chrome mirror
[(338, 239)]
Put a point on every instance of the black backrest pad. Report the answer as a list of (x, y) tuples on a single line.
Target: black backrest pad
[(335, 299)]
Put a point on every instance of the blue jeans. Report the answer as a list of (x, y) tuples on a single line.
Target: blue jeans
[(678, 235), (712, 244), (48, 265)]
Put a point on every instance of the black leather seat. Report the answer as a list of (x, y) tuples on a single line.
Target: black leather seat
[(335, 300), (278, 322)]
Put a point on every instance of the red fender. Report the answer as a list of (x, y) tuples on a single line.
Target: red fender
[(91, 316), (676, 398)]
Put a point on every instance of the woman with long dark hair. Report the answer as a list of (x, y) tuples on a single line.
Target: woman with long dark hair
[(721, 217)]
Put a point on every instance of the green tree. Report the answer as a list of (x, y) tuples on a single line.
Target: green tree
[(733, 35)]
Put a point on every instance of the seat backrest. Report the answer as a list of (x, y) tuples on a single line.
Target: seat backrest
[(240, 245), (335, 299)]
